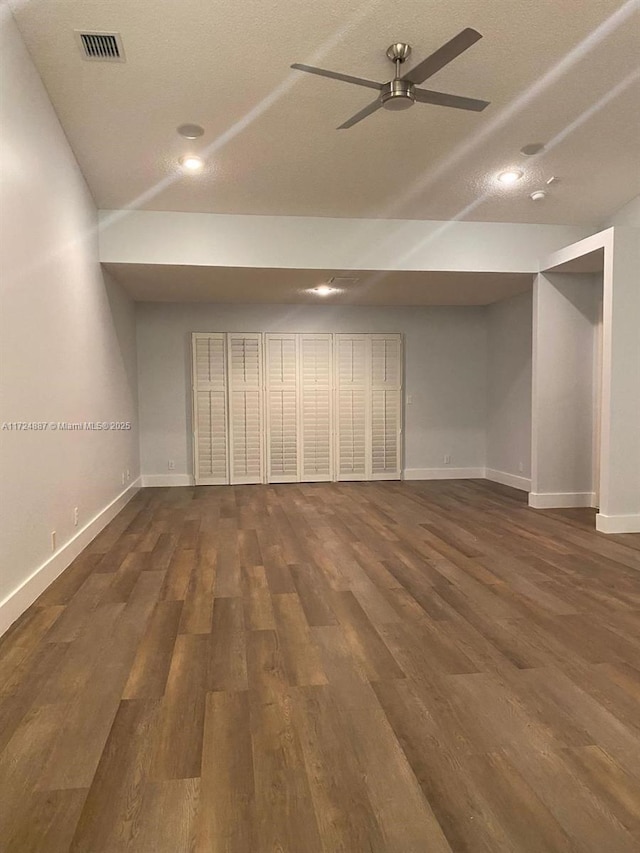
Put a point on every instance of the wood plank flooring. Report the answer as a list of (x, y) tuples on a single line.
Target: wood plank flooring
[(388, 667)]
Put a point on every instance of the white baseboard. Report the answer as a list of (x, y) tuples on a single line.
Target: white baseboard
[(506, 479), (443, 473), (618, 523), (560, 500), (153, 480), (17, 601)]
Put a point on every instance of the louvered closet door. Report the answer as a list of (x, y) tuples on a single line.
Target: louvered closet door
[(210, 409), (281, 393), (244, 370), (353, 433), (316, 409), (386, 398)]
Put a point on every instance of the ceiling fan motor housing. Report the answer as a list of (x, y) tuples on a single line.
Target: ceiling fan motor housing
[(397, 95)]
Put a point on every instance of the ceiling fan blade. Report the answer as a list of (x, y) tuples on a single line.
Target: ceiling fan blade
[(441, 99), (334, 75), (362, 114), (443, 56)]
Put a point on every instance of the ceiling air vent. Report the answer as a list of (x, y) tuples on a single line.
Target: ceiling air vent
[(101, 47)]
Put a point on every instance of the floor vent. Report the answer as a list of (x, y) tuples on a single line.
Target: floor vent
[(101, 47)]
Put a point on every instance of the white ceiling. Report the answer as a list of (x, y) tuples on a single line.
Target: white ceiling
[(168, 283), (555, 72)]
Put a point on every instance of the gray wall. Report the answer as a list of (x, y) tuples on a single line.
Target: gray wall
[(509, 340), (629, 215), (566, 312), (445, 373), (67, 336)]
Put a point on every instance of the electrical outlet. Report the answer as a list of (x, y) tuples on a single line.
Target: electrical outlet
[(409, 399), (53, 540), (447, 459), (123, 478), (75, 516), (521, 467), (171, 464), (128, 475)]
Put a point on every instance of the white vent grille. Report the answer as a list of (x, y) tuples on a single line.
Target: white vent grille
[(101, 47)]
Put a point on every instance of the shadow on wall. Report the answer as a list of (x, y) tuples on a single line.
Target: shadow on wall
[(123, 330)]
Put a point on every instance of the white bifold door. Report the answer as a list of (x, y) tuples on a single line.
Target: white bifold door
[(246, 407), (209, 372), (290, 407), (298, 403), (369, 406), (282, 402), (315, 361)]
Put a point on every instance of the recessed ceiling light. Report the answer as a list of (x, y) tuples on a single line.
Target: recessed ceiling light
[(511, 176), (190, 131), (538, 195), (323, 290), (191, 163)]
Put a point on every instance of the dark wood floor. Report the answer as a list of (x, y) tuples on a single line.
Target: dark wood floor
[(355, 667)]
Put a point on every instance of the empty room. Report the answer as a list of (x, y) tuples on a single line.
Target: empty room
[(320, 426)]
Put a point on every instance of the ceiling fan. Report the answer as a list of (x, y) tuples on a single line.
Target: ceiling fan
[(402, 92)]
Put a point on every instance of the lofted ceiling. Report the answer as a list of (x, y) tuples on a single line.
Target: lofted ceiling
[(561, 73), (171, 283)]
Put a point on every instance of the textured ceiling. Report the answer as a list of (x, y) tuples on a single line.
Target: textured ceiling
[(165, 283), (556, 72)]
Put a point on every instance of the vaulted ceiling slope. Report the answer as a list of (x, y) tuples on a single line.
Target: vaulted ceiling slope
[(561, 73)]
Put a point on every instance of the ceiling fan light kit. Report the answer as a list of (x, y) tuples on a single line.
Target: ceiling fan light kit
[(397, 95), (403, 90)]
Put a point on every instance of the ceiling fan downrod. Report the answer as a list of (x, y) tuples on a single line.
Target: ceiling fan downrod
[(398, 94)]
